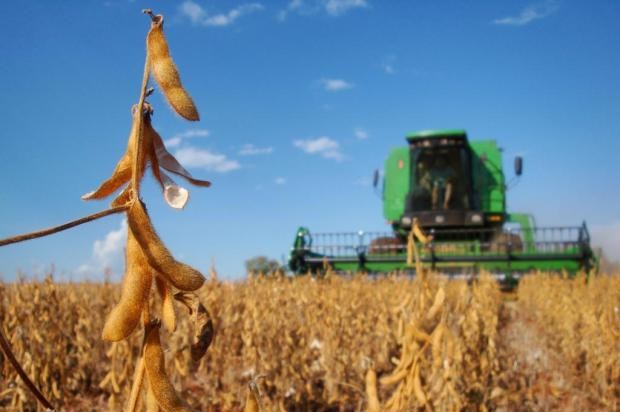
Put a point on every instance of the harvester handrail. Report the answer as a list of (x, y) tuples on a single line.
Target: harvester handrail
[(458, 231)]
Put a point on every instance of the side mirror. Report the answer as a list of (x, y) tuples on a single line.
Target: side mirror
[(375, 178), (518, 165)]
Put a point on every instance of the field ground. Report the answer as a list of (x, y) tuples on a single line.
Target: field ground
[(390, 343), (530, 364)]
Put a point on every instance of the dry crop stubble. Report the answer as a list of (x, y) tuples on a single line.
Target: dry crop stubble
[(310, 343), (581, 319), (52, 328)]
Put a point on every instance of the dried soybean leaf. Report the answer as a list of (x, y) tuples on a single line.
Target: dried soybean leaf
[(122, 172), (204, 333), (174, 195), (203, 324), (168, 161), (123, 198), (186, 299)]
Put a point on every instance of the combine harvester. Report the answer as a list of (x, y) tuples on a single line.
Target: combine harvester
[(450, 193)]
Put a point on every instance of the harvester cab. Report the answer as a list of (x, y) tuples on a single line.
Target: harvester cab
[(455, 191), (443, 181)]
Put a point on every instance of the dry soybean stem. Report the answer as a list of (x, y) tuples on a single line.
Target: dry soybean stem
[(358, 390), (150, 13), (135, 184), (138, 377), (6, 348), (60, 228), (137, 383), (135, 172)]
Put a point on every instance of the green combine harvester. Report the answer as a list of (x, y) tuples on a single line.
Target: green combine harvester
[(455, 191)]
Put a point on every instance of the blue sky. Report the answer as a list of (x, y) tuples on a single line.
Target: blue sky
[(300, 101)]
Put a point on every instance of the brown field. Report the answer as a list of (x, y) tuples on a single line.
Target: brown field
[(390, 343)]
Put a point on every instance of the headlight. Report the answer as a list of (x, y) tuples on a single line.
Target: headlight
[(476, 218), (406, 220), (439, 219)]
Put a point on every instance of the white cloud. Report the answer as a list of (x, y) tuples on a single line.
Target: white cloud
[(361, 134), (195, 157), (323, 146), (173, 142), (112, 245), (197, 15), (335, 85), (251, 150), (339, 7), (193, 11), (107, 253), (389, 65), (333, 8), (529, 14), (230, 17), (293, 6), (194, 133), (280, 180), (388, 68), (177, 139), (607, 237)]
